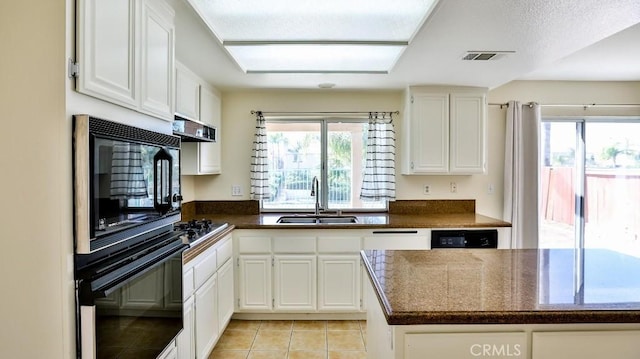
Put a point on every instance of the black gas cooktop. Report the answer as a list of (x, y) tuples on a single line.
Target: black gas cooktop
[(198, 230)]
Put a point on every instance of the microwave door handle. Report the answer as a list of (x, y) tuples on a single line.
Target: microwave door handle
[(162, 169)]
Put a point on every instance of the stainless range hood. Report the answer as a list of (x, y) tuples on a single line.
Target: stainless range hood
[(194, 131)]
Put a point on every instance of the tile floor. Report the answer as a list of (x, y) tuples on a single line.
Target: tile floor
[(292, 339)]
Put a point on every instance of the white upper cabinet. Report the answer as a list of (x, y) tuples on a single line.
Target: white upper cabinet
[(197, 100), (157, 57), (187, 93), (429, 133), (445, 131), (467, 128), (131, 64), (107, 53)]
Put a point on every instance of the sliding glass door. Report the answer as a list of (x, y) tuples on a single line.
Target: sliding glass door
[(590, 184)]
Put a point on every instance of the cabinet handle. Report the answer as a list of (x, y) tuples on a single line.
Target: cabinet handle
[(395, 232)]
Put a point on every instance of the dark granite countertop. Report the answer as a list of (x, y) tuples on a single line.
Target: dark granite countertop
[(365, 220), (503, 286), (402, 214)]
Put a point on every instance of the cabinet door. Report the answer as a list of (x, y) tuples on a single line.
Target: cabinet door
[(157, 59), (206, 317), (295, 282), (170, 352), (225, 294), (339, 283), (586, 344), (429, 134), (186, 340), (187, 93), (467, 125), (107, 53), (209, 152), (254, 283), (467, 345)]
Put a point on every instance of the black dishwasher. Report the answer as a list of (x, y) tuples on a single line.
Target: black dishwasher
[(477, 238)]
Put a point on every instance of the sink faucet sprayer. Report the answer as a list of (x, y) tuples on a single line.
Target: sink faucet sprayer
[(314, 193)]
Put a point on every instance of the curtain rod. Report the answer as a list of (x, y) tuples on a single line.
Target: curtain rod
[(585, 106), (253, 112)]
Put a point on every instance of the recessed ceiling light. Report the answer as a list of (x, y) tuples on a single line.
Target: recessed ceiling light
[(326, 85), (310, 36)]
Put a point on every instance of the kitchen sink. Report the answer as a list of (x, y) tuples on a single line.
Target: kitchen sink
[(313, 219)]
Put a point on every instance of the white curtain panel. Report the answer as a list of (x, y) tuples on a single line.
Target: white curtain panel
[(260, 162), (379, 181), (521, 173)]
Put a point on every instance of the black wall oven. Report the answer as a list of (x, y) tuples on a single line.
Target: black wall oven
[(130, 302), (128, 257)]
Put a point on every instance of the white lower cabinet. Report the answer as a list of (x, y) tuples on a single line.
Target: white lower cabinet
[(291, 271), (618, 344), (186, 340), (339, 283), (295, 282), (170, 352), (206, 319), (254, 283), (466, 345), (225, 294), (208, 300)]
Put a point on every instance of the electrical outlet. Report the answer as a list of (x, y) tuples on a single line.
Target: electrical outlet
[(426, 189), (236, 190), (454, 187), (490, 188)]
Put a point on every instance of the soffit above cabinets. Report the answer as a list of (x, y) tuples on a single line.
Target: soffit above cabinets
[(307, 36), (534, 40)]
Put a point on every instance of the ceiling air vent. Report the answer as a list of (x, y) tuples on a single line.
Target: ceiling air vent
[(485, 55)]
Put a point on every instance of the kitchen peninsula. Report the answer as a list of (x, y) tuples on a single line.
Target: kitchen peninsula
[(534, 304)]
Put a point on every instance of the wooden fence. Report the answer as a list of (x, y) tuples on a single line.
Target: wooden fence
[(612, 197)]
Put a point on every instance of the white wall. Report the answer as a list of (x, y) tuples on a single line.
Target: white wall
[(572, 92), (238, 129), (34, 215)]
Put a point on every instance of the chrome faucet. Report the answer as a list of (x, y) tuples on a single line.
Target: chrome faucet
[(315, 193)]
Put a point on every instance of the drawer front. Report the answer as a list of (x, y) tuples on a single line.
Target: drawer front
[(254, 244), (397, 242), (294, 245), (205, 267), (225, 251), (339, 244)]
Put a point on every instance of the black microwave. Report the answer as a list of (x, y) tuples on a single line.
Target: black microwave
[(126, 182)]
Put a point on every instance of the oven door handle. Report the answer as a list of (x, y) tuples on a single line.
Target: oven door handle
[(106, 284)]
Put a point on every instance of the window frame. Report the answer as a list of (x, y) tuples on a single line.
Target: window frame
[(581, 123), (324, 122)]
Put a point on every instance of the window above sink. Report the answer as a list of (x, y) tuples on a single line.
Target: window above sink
[(331, 149)]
